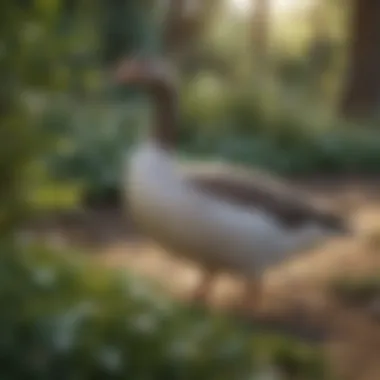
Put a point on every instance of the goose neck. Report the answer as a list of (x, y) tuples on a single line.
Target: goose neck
[(165, 114)]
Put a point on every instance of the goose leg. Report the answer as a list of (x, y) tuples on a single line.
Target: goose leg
[(204, 286), (251, 296)]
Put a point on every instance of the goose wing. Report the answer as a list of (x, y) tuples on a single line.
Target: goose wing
[(253, 188)]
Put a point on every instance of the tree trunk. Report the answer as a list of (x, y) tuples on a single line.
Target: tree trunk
[(260, 31), (173, 32), (185, 22), (362, 93)]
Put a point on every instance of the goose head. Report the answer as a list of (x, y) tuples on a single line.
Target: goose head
[(148, 73), (157, 78)]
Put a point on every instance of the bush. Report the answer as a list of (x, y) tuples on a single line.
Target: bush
[(91, 141), (237, 126), (66, 318)]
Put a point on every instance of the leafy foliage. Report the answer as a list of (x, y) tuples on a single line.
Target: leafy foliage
[(239, 126), (21, 37), (62, 316)]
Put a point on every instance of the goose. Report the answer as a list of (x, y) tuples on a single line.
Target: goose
[(225, 218)]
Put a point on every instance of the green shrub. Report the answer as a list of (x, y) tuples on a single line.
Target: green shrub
[(64, 317), (91, 141), (237, 126)]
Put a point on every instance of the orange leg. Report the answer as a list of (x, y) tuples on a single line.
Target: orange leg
[(204, 287)]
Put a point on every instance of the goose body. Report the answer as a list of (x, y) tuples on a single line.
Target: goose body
[(223, 218), (172, 207)]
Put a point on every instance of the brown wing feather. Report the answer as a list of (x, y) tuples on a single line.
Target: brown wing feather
[(254, 189)]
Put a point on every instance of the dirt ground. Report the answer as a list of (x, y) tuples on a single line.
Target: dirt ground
[(353, 341)]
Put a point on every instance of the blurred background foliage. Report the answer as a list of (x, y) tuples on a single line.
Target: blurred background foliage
[(286, 86), (260, 87)]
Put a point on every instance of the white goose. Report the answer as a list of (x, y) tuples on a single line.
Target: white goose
[(224, 218)]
